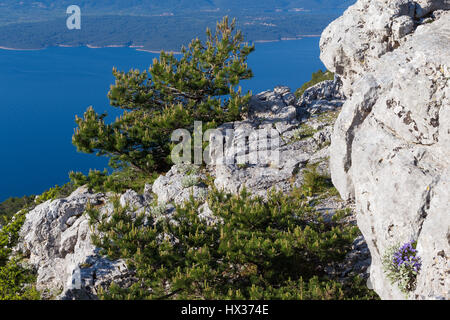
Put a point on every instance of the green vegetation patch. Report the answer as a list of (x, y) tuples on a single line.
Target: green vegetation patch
[(316, 77), (119, 181), (317, 184), (56, 192), (327, 117), (13, 205), (16, 280), (304, 132)]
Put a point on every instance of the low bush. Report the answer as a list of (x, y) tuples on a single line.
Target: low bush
[(315, 183), (190, 181), (276, 249), (119, 181)]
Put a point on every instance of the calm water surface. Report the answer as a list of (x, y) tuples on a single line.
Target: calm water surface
[(42, 91)]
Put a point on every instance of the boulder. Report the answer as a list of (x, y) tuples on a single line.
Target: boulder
[(268, 149), (179, 184)]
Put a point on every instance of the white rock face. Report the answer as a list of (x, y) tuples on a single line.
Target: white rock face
[(326, 93), (56, 237), (351, 45), (390, 149)]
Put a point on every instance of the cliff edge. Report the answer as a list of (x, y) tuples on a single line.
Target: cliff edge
[(390, 148)]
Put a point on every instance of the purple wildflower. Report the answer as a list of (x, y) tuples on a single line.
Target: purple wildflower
[(406, 255)]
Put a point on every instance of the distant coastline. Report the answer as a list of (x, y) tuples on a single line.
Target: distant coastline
[(299, 37), (156, 51), (17, 49), (137, 48), (143, 49)]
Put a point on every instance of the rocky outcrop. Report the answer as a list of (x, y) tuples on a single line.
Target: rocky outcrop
[(324, 96), (179, 183), (56, 239), (352, 45), (390, 148)]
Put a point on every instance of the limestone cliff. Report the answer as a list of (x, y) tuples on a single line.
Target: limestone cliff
[(390, 148)]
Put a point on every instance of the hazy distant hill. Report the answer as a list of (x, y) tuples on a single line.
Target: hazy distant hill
[(175, 6), (157, 24), (26, 11)]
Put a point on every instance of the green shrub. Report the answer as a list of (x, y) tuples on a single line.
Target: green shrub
[(16, 281), (188, 169), (119, 181), (260, 250), (315, 183), (11, 206), (9, 235), (316, 77), (190, 181), (402, 265), (54, 193)]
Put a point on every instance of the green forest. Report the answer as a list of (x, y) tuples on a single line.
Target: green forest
[(155, 33), (157, 25)]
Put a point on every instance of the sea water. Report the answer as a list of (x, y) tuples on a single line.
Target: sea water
[(41, 92)]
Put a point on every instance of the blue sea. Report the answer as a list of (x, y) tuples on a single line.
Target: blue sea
[(42, 91)]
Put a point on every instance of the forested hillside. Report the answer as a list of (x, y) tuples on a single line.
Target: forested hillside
[(158, 24), (151, 7)]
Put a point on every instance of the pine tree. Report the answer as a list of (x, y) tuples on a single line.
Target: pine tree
[(202, 85)]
